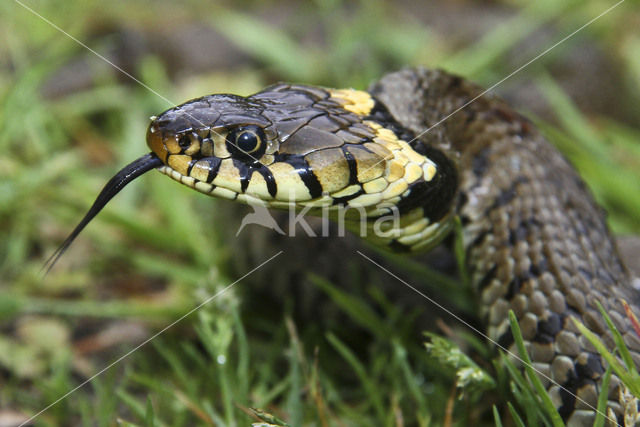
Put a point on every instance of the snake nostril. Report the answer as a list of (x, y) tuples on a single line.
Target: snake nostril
[(184, 141)]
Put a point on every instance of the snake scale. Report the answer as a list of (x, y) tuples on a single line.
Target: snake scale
[(535, 241)]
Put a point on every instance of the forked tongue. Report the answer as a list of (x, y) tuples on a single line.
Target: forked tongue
[(113, 187)]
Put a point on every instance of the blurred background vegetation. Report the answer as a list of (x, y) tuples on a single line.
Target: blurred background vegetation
[(318, 337)]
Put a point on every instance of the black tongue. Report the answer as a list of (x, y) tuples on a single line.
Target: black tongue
[(113, 187)]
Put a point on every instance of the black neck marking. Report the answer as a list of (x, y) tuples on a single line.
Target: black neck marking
[(436, 196)]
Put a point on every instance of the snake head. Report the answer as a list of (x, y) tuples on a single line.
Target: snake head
[(289, 144), (304, 147)]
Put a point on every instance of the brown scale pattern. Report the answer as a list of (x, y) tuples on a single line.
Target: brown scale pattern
[(536, 242)]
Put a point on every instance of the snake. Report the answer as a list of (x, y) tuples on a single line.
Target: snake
[(429, 150)]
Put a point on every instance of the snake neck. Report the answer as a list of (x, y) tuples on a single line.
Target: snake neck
[(427, 210), (535, 241)]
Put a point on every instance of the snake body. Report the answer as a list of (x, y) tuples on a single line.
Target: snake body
[(535, 241), (534, 238)]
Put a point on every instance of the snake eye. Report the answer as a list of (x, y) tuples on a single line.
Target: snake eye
[(246, 143)]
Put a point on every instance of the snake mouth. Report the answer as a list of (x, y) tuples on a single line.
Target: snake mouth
[(127, 174)]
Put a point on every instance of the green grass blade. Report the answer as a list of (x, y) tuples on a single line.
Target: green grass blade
[(372, 390), (295, 404), (620, 345), (514, 414), (458, 249), (603, 398), (268, 44), (400, 356), (496, 417), (149, 416), (523, 392), (551, 410), (355, 307), (632, 382)]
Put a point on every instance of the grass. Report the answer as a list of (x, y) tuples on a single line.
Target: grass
[(159, 249)]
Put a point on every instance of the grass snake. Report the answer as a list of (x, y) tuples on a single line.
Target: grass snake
[(535, 241)]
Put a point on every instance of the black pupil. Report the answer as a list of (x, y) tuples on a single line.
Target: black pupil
[(247, 141)]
